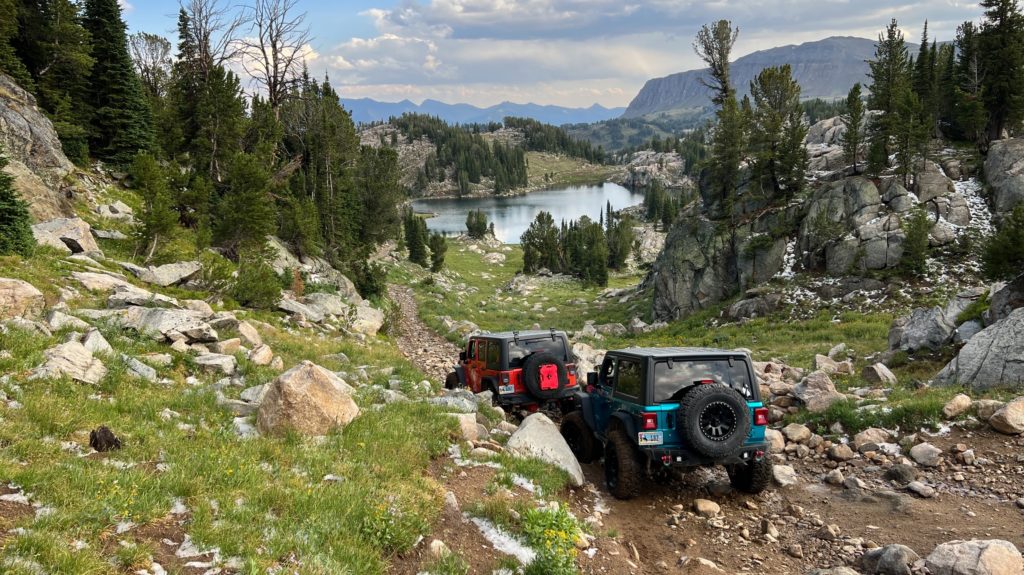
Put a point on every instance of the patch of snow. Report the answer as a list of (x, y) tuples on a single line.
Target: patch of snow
[(789, 262), (504, 542), (523, 482), (18, 498)]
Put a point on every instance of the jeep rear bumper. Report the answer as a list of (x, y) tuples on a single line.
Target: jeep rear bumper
[(686, 458)]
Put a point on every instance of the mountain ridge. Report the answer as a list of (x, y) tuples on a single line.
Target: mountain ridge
[(825, 68), (365, 110)]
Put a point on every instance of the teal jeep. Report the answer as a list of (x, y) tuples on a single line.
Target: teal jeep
[(649, 410)]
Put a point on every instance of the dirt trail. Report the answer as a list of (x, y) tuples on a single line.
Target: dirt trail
[(421, 345)]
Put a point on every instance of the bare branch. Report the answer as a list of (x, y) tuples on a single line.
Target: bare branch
[(276, 47), (152, 57), (215, 25)]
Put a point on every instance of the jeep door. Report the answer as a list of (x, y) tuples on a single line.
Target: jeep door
[(473, 364)]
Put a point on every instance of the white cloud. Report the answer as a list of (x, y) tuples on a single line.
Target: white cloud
[(125, 5), (576, 52)]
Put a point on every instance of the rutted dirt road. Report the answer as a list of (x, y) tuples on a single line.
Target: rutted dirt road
[(421, 345)]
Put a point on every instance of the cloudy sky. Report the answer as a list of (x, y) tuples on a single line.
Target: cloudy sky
[(565, 52)]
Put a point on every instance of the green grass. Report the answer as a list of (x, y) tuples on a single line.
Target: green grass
[(449, 564), (263, 500), (505, 310), (564, 170)]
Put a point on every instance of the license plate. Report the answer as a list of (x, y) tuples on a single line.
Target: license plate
[(651, 438), (503, 389)]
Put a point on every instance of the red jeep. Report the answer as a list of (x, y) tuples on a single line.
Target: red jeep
[(528, 369)]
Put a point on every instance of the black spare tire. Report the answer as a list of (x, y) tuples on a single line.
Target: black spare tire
[(545, 375), (714, 419)]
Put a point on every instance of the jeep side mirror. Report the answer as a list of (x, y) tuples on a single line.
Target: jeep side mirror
[(462, 356), (591, 379)]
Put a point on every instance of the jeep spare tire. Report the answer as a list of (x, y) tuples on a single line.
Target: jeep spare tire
[(714, 420), (545, 375)]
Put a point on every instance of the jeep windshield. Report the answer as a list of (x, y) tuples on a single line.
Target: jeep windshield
[(672, 378), (519, 350)]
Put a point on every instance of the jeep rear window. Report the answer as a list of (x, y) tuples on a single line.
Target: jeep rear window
[(518, 350), (671, 383)]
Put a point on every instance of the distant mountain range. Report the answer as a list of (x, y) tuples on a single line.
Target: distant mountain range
[(366, 110), (825, 69)]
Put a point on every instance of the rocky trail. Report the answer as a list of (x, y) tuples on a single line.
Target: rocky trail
[(421, 345)]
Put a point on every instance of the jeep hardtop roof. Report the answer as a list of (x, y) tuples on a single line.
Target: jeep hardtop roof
[(676, 352), (525, 334)]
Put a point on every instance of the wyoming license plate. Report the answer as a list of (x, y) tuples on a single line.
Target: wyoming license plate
[(650, 438), (503, 389)]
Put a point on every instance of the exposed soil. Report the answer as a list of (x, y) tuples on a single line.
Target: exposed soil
[(12, 513), (430, 352)]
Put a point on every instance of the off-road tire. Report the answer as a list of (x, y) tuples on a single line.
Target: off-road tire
[(753, 477), (452, 381), (531, 375), (714, 420), (623, 471), (580, 438)]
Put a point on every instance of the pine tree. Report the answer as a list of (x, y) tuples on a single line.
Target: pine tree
[(15, 223), (1003, 253), (120, 125), (777, 133), (1001, 51), (969, 114), (853, 119), (10, 63), (714, 45), (915, 247), (889, 78), (540, 244), (416, 238), (159, 220), (910, 132), (438, 249), (245, 213), (923, 70)]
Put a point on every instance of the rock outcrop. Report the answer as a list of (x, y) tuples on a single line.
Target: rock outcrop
[(994, 357), (976, 557), (69, 235), (19, 299), (73, 360), (36, 159), (1004, 170)]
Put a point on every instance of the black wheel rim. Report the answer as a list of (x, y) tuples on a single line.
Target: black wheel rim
[(718, 421), (611, 469)]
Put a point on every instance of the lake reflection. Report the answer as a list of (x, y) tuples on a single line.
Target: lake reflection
[(512, 215)]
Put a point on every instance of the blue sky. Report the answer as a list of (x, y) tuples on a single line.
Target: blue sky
[(566, 52)]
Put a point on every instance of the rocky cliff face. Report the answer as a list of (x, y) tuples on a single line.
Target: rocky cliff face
[(849, 227), (1004, 169), (825, 69), (36, 159)]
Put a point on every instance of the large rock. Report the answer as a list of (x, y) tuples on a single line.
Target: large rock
[(216, 362), (72, 235), (19, 299), (94, 281), (696, 270), (306, 399), (889, 560), (924, 329), (73, 360), (817, 391), (366, 320), (976, 557), (33, 150), (587, 359), (294, 307), (161, 323), (1004, 300), (1004, 170), (539, 437), (993, 358), (930, 182), (879, 374), (1010, 418), (168, 274), (327, 304)]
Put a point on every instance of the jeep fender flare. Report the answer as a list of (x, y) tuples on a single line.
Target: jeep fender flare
[(489, 383), (587, 407), (621, 418)]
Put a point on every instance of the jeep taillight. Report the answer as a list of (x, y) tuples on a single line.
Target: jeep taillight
[(650, 421), (761, 416), (504, 378)]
